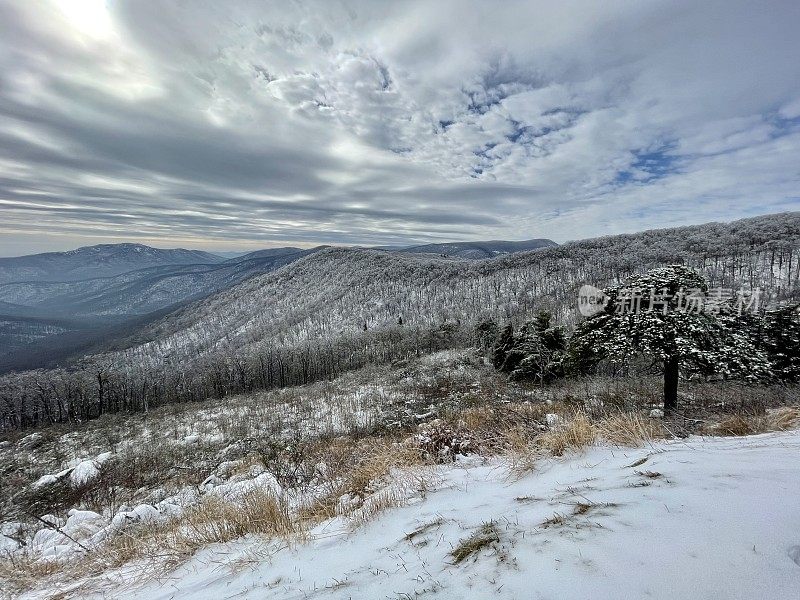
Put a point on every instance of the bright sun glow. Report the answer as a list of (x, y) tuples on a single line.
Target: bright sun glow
[(89, 17)]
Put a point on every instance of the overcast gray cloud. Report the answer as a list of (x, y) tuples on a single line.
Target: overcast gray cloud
[(245, 124)]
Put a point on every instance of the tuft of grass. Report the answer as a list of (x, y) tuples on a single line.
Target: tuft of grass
[(581, 508), (752, 422), (213, 520), (786, 417), (629, 429), (487, 535), (409, 537), (576, 434), (20, 572), (555, 521), (739, 424), (650, 474)]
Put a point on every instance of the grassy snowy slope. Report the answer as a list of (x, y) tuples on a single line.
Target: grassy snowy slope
[(696, 518), (350, 487)]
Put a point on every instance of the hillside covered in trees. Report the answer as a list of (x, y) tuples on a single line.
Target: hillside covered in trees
[(341, 308)]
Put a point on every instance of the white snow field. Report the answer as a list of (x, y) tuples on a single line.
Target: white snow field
[(699, 518)]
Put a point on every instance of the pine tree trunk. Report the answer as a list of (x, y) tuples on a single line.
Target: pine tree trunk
[(670, 384)]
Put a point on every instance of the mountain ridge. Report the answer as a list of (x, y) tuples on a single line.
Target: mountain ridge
[(100, 260), (478, 250)]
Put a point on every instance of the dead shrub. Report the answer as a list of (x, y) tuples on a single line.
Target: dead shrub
[(442, 441)]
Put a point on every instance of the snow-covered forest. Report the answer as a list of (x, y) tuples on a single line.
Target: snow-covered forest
[(341, 308)]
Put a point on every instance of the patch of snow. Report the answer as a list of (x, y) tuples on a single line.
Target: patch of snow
[(45, 480), (265, 482), (144, 513), (101, 458), (50, 479), (29, 442), (77, 517), (84, 472), (553, 420), (695, 518)]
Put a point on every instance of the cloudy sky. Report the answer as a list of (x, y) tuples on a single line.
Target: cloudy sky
[(239, 125)]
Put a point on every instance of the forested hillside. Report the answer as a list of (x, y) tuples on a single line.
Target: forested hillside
[(346, 291), (341, 308)]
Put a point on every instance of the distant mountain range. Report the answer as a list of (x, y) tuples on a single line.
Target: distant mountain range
[(478, 250), (139, 291), (103, 260), (317, 313), (111, 260)]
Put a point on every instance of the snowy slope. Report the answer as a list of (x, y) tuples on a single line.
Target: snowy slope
[(699, 518)]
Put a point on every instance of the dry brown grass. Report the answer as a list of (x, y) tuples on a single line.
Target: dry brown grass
[(21, 572), (213, 520), (487, 535), (739, 424), (576, 434), (162, 546), (750, 423), (577, 431), (359, 472), (244, 465), (555, 521), (423, 529), (629, 429), (786, 417), (357, 467)]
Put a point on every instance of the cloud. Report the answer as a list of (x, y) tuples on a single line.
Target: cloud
[(244, 124)]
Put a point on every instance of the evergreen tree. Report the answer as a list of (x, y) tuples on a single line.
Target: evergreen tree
[(502, 347), (486, 333), (782, 341), (535, 353), (542, 350), (668, 315)]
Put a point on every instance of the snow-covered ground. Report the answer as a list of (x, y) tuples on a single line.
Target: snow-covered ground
[(694, 518)]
